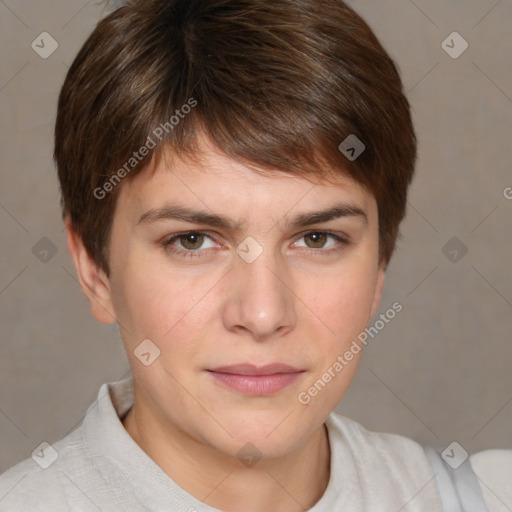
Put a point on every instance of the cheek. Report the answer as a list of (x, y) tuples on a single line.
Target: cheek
[(150, 302), (344, 305), (344, 301)]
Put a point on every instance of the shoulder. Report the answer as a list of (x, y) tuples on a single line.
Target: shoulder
[(391, 449), (81, 468), (493, 469), (40, 482), (23, 486), (387, 467)]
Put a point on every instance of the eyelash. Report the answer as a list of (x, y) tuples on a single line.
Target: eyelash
[(167, 244)]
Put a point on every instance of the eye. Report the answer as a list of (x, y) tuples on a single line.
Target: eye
[(323, 242), (190, 244)]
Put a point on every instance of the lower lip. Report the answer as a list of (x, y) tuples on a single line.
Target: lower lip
[(256, 385)]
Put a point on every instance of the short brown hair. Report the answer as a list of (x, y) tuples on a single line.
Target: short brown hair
[(277, 84)]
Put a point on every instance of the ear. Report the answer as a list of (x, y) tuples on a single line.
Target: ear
[(379, 287), (94, 282)]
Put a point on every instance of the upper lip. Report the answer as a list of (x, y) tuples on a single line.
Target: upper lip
[(250, 369)]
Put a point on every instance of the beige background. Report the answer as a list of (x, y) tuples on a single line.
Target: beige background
[(439, 372)]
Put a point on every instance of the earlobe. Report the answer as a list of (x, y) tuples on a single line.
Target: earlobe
[(381, 276), (93, 281)]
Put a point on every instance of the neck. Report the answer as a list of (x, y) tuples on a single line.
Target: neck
[(293, 482)]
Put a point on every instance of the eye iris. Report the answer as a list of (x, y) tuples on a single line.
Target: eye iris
[(192, 240), (319, 239)]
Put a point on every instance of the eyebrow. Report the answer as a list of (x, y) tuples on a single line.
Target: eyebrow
[(177, 212)]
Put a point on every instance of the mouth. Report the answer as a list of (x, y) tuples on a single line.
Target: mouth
[(253, 380)]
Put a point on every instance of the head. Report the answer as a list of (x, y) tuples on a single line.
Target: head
[(235, 110)]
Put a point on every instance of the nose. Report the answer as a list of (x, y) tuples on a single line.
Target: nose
[(259, 302)]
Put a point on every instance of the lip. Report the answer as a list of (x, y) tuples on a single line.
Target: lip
[(251, 369), (254, 380)]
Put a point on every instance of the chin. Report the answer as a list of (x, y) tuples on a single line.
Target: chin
[(265, 433)]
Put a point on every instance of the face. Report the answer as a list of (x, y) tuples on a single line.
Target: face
[(249, 304)]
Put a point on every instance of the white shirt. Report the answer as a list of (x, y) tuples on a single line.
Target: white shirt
[(99, 467)]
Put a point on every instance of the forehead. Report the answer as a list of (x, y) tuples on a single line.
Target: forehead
[(212, 180)]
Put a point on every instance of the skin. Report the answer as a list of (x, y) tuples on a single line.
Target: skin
[(294, 304)]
